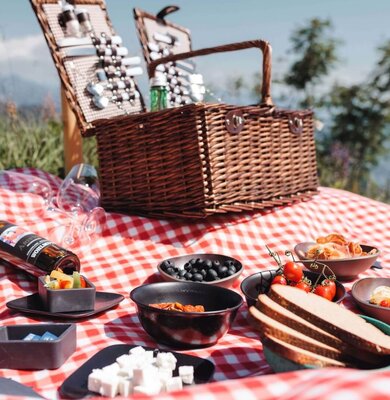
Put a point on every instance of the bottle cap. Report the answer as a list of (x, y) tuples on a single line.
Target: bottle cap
[(158, 80)]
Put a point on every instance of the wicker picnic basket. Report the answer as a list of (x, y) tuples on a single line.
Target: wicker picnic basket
[(202, 159)]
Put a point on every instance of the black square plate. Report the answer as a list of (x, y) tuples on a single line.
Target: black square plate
[(32, 304), (76, 385), (9, 387)]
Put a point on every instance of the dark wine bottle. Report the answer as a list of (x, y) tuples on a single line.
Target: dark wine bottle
[(34, 253)]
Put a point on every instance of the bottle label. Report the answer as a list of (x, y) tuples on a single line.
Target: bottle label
[(23, 244)]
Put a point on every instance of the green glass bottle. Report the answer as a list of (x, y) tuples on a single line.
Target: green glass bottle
[(158, 93)]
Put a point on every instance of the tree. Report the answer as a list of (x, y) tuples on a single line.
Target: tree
[(355, 140), (316, 52)]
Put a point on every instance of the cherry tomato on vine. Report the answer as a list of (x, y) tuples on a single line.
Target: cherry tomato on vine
[(385, 303), (303, 285), (279, 279), (324, 291), (293, 271), (332, 285)]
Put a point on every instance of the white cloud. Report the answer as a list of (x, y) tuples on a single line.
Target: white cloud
[(27, 57), (25, 47)]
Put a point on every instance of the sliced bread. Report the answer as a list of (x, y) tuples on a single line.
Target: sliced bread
[(268, 326), (332, 318), (298, 355), (275, 311)]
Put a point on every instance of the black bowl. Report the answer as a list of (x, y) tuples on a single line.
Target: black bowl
[(186, 329), (260, 282)]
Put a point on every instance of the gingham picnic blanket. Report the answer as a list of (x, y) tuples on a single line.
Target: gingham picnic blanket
[(127, 251)]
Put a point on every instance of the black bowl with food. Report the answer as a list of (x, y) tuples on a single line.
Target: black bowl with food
[(260, 282), (185, 329)]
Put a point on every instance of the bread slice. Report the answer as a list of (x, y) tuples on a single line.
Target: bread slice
[(275, 311), (298, 355), (332, 318), (268, 326)]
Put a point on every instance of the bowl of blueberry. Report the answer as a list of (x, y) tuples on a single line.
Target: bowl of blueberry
[(213, 269)]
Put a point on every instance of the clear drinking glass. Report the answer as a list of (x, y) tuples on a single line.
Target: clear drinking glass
[(79, 196)]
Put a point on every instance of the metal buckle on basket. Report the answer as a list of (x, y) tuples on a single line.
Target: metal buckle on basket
[(234, 121), (295, 124)]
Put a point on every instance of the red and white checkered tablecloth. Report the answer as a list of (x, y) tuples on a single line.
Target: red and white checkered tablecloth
[(127, 252)]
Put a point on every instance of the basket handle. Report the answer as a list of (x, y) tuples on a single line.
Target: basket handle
[(264, 46)]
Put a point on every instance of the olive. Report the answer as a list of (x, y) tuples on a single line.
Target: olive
[(222, 271), (197, 277), (165, 265), (188, 276), (211, 275), (230, 272), (182, 272), (170, 271), (216, 264), (208, 264), (232, 268), (203, 272)]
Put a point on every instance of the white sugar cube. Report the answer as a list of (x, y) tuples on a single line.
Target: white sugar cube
[(145, 376), (126, 373), (186, 373), (150, 389), (110, 385), (166, 360), (174, 383), (94, 380), (111, 368), (125, 387), (137, 350), (125, 361), (149, 357)]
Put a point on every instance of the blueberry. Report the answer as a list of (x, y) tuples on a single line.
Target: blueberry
[(197, 277)]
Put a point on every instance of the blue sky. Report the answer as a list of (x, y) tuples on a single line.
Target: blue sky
[(361, 24)]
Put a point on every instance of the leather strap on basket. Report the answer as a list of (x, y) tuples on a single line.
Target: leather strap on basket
[(264, 46), (165, 11)]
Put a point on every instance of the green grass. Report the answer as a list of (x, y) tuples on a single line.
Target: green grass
[(35, 142), (27, 142)]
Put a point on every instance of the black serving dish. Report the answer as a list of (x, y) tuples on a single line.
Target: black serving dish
[(32, 304), (16, 353), (260, 282), (67, 300), (180, 261), (186, 329), (76, 385)]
